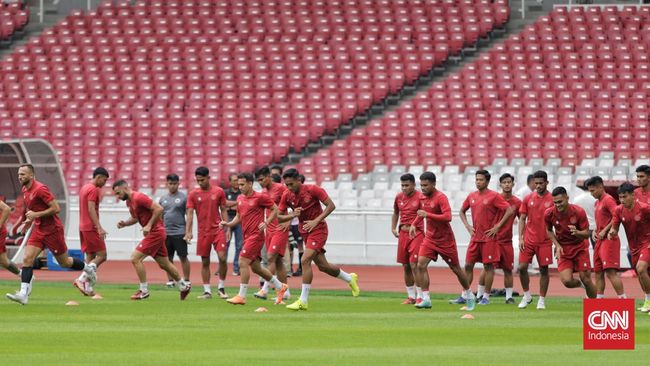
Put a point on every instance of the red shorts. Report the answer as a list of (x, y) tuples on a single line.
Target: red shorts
[(447, 251), (3, 240), (485, 252), (207, 241), (276, 242), (315, 240), (91, 242), (252, 248), (54, 241), (641, 255), (408, 248), (507, 256), (607, 255), (543, 252), (154, 244), (575, 257)]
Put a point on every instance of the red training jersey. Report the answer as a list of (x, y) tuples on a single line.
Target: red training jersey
[(139, 205), (37, 199), (534, 206), (275, 192), (487, 207), (207, 204), (560, 221), (89, 193), (438, 218), (636, 223), (251, 212), (604, 212), (407, 207), (505, 234), (309, 198), (642, 196)]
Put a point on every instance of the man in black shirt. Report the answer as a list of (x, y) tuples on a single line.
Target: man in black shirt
[(231, 203)]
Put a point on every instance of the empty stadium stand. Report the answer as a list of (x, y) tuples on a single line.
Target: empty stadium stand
[(164, 86), (573, 84)]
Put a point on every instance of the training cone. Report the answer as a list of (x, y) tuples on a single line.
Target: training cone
[(467, 316), (97, 297), (261, 310), (72, 303)]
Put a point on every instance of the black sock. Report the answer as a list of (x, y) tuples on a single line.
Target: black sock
[(78, 264), (299, 261), (26, 274)]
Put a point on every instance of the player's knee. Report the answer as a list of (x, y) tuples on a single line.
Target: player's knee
[(641, 269), (543, 270)]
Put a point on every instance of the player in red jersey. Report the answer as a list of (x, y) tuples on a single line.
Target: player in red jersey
[(41, 209), (568, 227), (305, 201), (504, 238), (490, 212), (252, 208), (533, 240), (438, 240), (210, 205), (277, 235), (607, 252), (642, 193), (5, 262), (91, 232), (148, 213), (405, 208), (635, 217)]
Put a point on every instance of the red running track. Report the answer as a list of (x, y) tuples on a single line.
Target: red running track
[(371, 278)]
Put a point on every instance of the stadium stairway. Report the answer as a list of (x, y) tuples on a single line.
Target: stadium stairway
[(33, 28)]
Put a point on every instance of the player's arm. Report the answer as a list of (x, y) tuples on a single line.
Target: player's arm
[(551, 234), (522, 230), (283, 216), (5, 211), (463, 218), (52, 209), (157, 211), (95, 219), (189, 221), (393, 222), (614, 226), (234, 222), (130, 222), (329, 208), (231, 205), (272, 216), (495, 230)]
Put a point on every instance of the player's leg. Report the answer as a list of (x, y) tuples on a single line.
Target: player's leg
[(239, 242), (324, 266), (644, 281), (481, 284), (489, 278), (525, 259), (180, 246), (26, 274), (265, 273), (600, 283), (307, 278), (590, 288), (567, 279), (166, 265), (8, 265), (205, 277), (169, 243), (423, 280), (222, 256), (508, 283), (245, 275), (136, 260)]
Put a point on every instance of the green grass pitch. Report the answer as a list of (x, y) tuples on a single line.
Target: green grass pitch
[(373, 329)]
